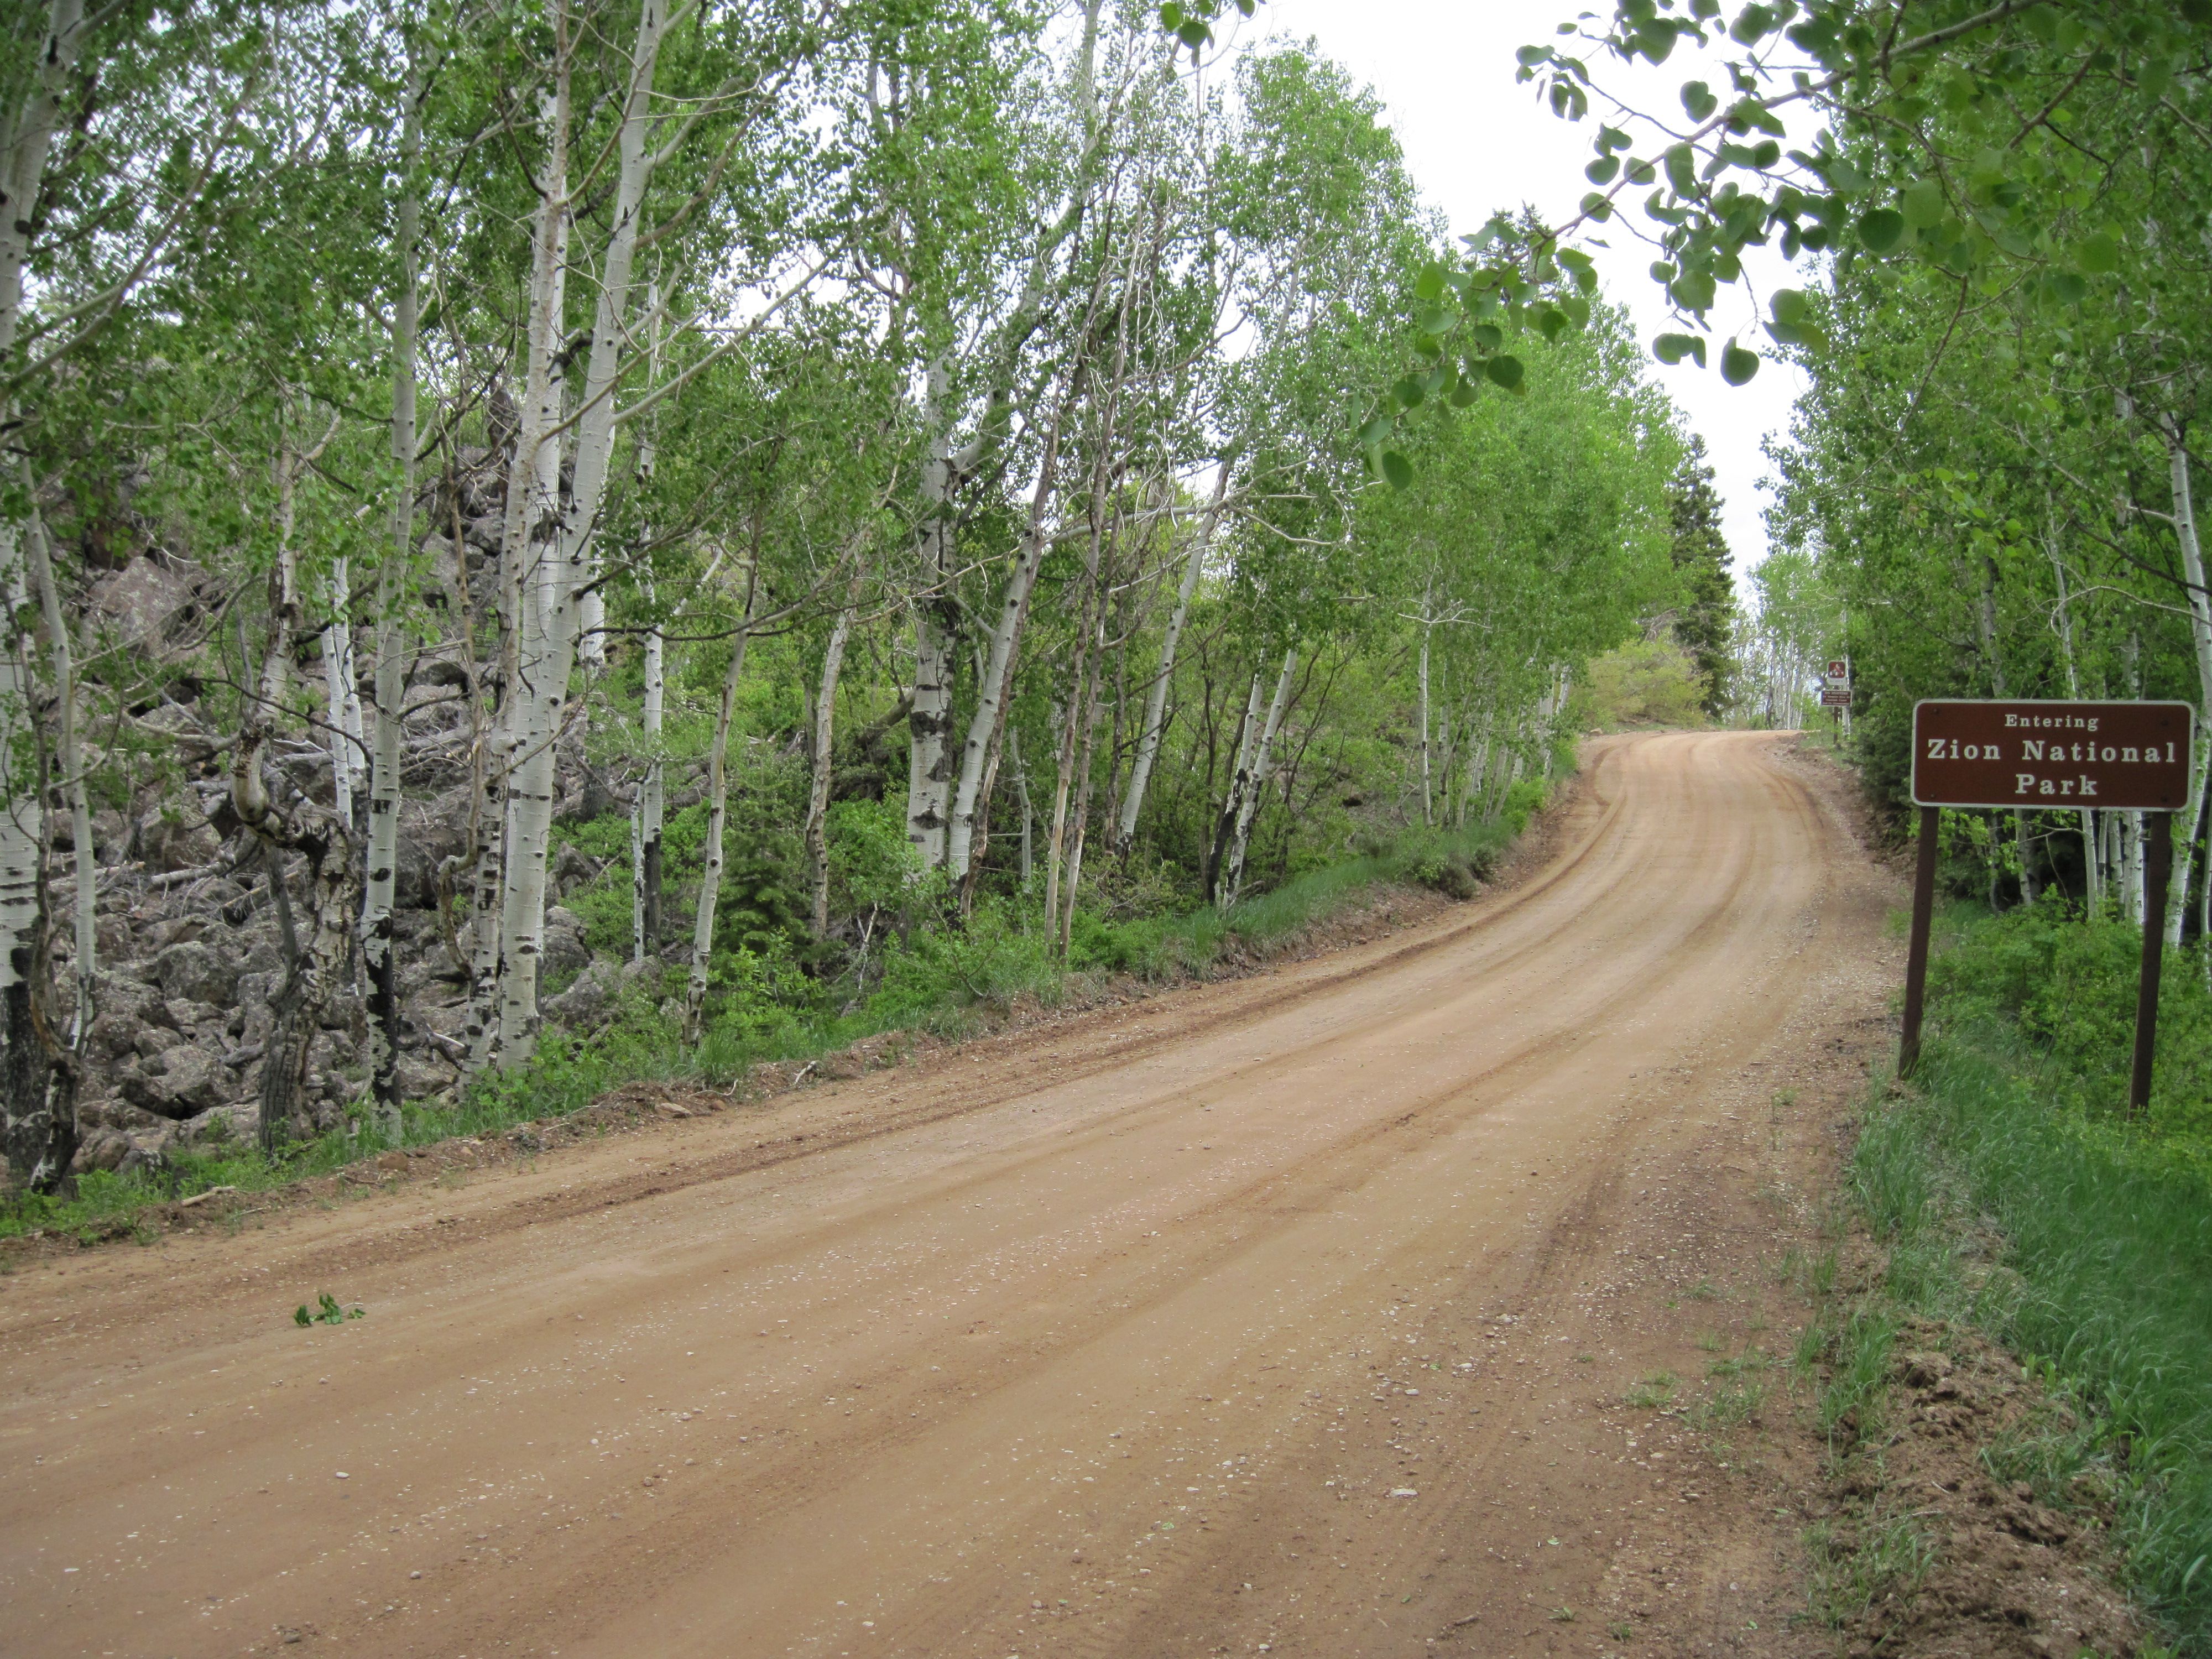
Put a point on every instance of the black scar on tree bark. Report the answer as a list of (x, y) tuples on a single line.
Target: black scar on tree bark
[(37, 1082), (313, 977)]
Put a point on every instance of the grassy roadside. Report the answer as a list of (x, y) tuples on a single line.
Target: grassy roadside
[(946, 983), (2009, 1199)]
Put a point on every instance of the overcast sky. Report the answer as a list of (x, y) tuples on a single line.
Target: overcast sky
[(1475, 143)]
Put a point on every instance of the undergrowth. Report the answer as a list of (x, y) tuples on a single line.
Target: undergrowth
[(2012, 1195), (933, 979)]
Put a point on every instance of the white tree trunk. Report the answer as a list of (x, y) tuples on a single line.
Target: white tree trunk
[(994, 679), (1156, 699), (550, 647), (296, 824), (337, 676), (817, 793), (646, 815), (1029, 811), (1263, 767), (718, 818), (532, 507), (384, 768), (1428, 786), (23, 821), (70, 761), (25, 138), (2200, 636), (649, 804), (936, 641), (37, 1123)]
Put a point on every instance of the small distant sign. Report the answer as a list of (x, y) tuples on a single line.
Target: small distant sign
[(2030, 753), (1839, 670), (1835, 696)]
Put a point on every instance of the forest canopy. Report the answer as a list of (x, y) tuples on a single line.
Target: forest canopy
[(613, 520)]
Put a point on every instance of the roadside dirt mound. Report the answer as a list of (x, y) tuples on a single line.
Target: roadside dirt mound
[(1965, 1562)]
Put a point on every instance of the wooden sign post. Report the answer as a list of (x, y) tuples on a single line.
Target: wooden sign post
[(2028, 755)]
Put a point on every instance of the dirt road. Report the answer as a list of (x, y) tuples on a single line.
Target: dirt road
[(1291, 1315)]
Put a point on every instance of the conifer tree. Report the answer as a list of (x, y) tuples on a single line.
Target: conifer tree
[(1706, 627)]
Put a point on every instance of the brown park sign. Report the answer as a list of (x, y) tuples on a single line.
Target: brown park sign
[(2134, 756)]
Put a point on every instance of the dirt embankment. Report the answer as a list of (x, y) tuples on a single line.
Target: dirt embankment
[(1428, 1295)]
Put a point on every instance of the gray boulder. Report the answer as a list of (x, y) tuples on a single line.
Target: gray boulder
[(140, 601), (420, 1079), (194, 972), (564, 949), (177, 839), (586, 999), (182, 1083), (99, 1149), (115, 1032), (414, 877)]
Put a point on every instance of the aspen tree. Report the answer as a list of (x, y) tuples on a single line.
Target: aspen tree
[(1251, 783), (385, 781), (822, 762), (1156, 698), (284, 820), (717, 802), (506, 918), (40, 1126)]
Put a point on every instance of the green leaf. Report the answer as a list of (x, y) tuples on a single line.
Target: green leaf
[(1398, 469), (1697, 100), (1375, 430), (1463, 394), (1788, 305), (1504, 370), (2101, 253), (1409, 391), (1490, 336), (1682, 169), (1809, 334), (1601, 171), (1437, 319), (1656, 39), (1673, 348), (301, 1316), (1924, 203), (1430, 284), (1881, 229), (1694, 291), (1753, 22), (1529, 57), (1737, 364)]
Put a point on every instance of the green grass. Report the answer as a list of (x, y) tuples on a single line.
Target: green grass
[(2011, 1194), (942, 981)]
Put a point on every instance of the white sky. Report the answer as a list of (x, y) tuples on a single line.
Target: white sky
[(1476, 142)]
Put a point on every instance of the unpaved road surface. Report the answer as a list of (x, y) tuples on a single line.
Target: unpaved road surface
[(1288, 1315)]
